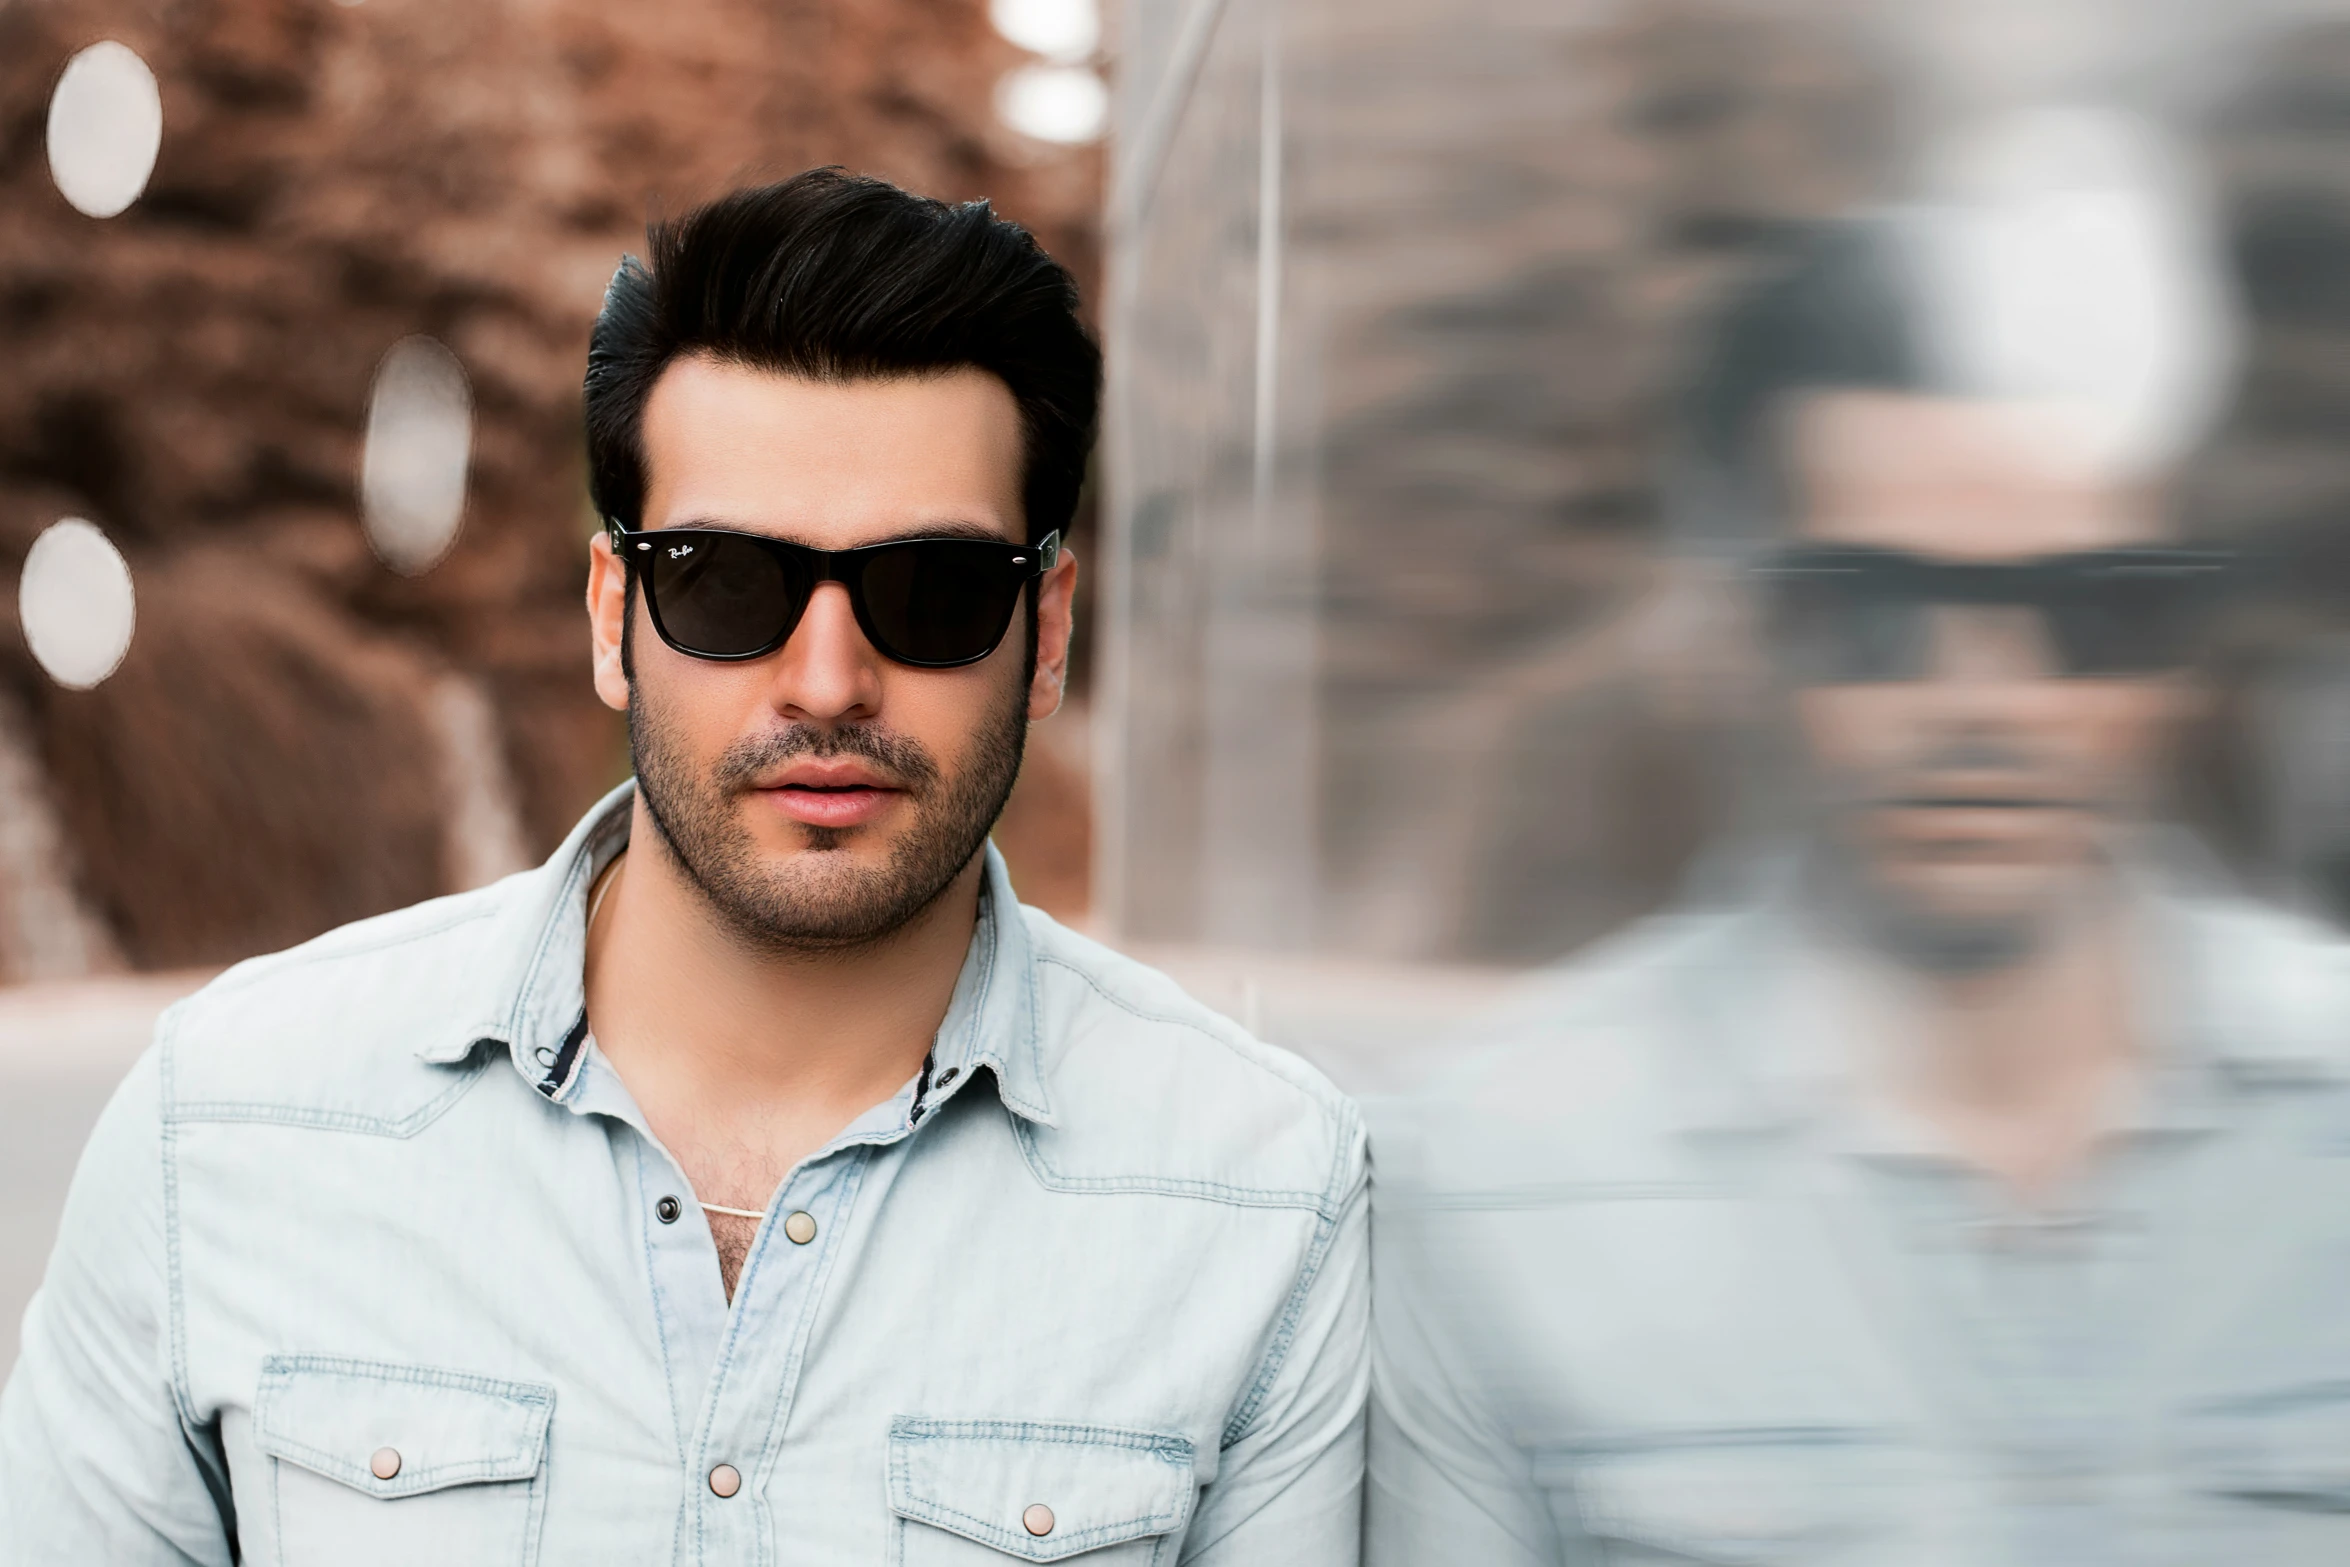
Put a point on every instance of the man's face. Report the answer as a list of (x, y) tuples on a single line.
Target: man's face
[(1968, 798), (823, 795)]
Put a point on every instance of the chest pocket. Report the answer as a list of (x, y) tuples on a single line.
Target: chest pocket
[(2289, 1449), (970, 1492), (376, 1463), (2266, 1476), (1743, 1500)]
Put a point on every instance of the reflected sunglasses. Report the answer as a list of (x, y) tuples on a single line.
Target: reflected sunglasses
[(929, 603), (1851, 615)]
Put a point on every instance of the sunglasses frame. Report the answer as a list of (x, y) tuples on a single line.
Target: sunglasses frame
[(841, 566), (2040, 583)]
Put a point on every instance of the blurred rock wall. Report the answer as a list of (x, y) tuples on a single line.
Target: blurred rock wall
[(1499, 228), (1511, 372), (298, 736), (1503, 229)]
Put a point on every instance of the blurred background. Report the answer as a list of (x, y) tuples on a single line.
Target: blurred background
[(1405, 676), (1390, 676)]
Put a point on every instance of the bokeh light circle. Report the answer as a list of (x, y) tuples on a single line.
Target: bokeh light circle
[(1067, 104), (105, 128), (419, 443), (1067, 31), (76, 604)]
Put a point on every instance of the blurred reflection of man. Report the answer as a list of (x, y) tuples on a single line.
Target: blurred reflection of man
[(757, 1181), (1976, 1186)]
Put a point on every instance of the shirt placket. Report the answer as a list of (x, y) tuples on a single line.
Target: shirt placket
[(763, 1344), (732, 1370), (2034, 1328)]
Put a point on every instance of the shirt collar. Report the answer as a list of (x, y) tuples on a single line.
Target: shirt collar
[(992, 1019), (539, 1015), (2237, 997), (538, 935)]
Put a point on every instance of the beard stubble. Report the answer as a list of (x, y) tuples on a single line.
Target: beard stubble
[(818, 900)]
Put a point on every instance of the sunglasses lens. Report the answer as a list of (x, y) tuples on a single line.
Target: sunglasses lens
[(724, 596), (2129, 624), (939, 601), (1840, 628), (1858, 617)]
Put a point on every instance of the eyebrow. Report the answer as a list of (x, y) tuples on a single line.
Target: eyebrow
[(948, 528)]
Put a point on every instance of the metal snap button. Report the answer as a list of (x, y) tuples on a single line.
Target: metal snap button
[(385, 1464), (947, 1076), (800, 1228), (725, 1480), (667, 1210), (1038, 1520)]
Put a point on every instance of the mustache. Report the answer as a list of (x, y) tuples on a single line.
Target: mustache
[(1979, 802), (1978, 756), (904, 760), (2017, 779), (1982, 759)]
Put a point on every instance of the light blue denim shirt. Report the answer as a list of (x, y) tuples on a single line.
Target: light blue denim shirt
[(367, 1263), (1653, 1286)]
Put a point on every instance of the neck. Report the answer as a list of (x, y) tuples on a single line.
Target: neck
[(2015, 1067), (690, 1015), (2004, 1038)]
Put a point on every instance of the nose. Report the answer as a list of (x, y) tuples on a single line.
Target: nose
[(827, 673), (1993, 682), (1991, 645)]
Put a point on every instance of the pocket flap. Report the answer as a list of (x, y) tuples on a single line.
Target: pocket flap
[(1749, 1503), (2292, 1446), (333, 1416), (980, 1478)]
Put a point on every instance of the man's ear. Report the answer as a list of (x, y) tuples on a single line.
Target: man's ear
[(607, 607), (1056, 616)]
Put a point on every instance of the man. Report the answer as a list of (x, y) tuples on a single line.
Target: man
[(1973, 1187), (756, 1181)]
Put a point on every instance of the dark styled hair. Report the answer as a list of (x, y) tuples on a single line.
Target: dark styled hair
[(1840, 313), (838, 277)]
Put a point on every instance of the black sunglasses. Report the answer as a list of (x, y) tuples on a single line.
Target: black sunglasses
[(1860, 615), (931, 603)]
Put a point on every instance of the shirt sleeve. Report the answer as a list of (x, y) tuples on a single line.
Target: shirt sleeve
[(98, 1462), (1289, 1488), (1445, 1486)]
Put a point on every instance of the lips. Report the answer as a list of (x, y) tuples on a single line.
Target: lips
[(1972, 828), (832, 792)]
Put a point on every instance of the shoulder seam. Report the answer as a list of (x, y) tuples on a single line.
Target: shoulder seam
[(1276, 1355), (1338, 1111), (245, 976), (1338, 1116), (1128, 1007)]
